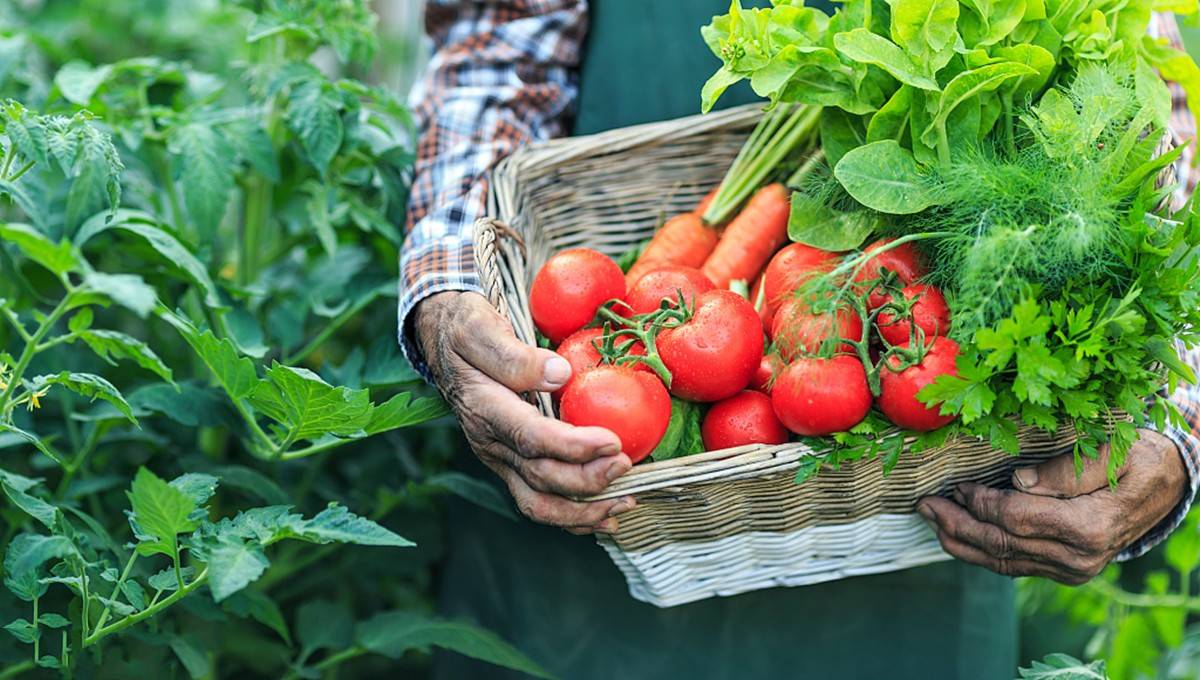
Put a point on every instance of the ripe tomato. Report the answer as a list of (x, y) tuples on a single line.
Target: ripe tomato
[(768, 368), (797, 330), (667, 282), (898, 391), (930, 313), (904, 259), (791, 267), (569, 288), (744, 418), (816, 397), (713, 355), (579, 349), (633, 404)]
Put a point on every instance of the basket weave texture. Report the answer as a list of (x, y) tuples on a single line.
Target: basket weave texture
[(723, 522)]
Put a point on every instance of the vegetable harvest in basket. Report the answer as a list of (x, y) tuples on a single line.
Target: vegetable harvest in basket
[(978, 202)]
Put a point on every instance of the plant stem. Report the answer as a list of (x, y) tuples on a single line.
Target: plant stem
[(314, 449), (37, 639), (31, 349), (776, 137), (116, 590), (16, 323), (9, 156), (20, 173), (84, 452), (331, 661), (333, 326), (254, 225), (1144, 600), (16, 669), (255, 428), (118, 626)]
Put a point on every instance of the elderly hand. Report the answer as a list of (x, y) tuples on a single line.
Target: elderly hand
[(1057, 525), (480, 366)]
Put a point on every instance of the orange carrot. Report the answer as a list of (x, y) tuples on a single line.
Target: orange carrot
[(683, 240), (751, 238), (706, 201)]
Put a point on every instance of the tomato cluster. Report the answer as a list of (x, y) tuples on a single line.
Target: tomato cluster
[(672, 335)]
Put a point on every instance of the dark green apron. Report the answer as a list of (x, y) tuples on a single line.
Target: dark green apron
[(559, 599)]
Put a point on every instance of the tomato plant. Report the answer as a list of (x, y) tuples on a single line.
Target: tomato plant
[(200, 391), (928, 311)]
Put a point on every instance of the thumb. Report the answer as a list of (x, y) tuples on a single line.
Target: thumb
[(1057, 476), (485, 341)]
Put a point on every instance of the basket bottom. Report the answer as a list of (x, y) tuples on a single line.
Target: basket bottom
[(679, 573)]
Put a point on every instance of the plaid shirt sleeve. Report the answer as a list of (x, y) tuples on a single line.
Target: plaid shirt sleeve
[(502, 74), (1187, 397)]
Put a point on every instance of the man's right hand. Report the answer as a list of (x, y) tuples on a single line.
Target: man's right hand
[(480, 366)]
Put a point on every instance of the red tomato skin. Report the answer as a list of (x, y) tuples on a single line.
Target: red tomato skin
[(898, 391), (930, 312), (666, 282), (768, 368), (904, 259), (633, 404), (816, 397), (569, 288), (797, 330), (580, 351), (791, 267), (715, 354), (745, 418)]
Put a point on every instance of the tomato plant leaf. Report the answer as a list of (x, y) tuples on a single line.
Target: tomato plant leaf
[(474, 491), (253, 603), (160, 513), (393, 634), (33, 506), (314, 115), (59, 257), (152, 232), (337, 524), (198, 486), (25, 554), (233, 565), (78, 81), (204, 165), (310, 407), (321, 624), (90, 386), (33, 440), (128, 290), (109, 344), (235, 373)]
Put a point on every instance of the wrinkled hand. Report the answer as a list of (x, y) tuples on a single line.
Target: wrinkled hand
[(1056, 525), (480, 366)]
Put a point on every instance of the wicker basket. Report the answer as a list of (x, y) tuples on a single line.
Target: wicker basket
[(722, 522)]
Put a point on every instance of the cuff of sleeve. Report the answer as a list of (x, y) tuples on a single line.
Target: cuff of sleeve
[(1188, 447)]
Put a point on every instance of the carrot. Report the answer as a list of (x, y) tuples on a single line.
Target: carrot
[(683, 240), (706, 201), (751, 238)]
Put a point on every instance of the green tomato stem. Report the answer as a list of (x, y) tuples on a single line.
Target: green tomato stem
[(118, 626), (31, 349)]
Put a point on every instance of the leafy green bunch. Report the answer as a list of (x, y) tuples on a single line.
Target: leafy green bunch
[(909, 86), (190, 261)]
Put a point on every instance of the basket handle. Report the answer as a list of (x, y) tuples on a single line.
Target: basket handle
[(488, 233)]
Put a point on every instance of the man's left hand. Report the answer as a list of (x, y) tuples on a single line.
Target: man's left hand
[(1056, 524)]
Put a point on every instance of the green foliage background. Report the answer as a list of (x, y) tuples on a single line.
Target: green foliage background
[(241, 292)]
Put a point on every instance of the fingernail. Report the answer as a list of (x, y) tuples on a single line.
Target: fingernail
[(556, 372), (1026, 477), (608, 526), (617, 469), (608, 450), (625, 505)]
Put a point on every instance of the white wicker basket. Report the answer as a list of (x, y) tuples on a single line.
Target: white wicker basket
[(724, 522)]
